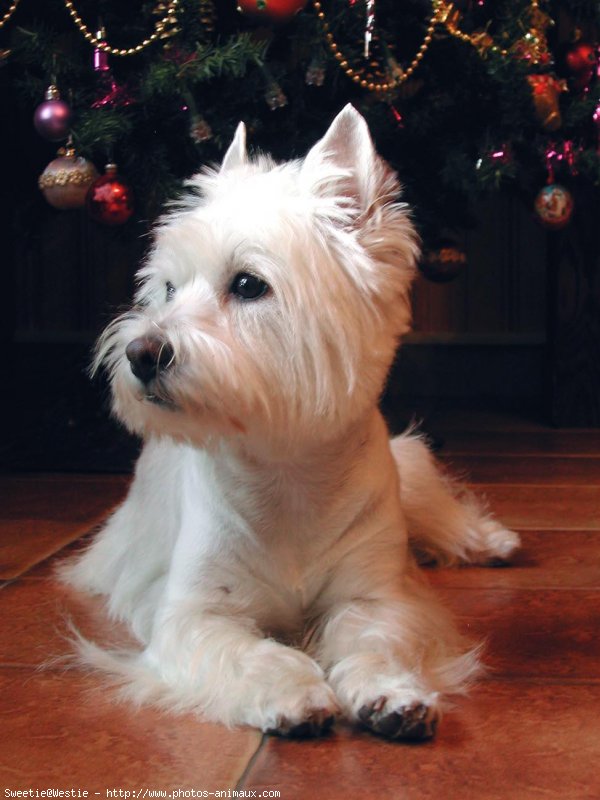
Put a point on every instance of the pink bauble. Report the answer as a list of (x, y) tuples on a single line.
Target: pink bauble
[(52, 118)]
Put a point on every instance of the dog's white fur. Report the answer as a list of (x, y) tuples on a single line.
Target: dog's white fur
[(261, 556)]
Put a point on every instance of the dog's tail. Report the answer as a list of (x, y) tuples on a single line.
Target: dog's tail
[(447, 523)]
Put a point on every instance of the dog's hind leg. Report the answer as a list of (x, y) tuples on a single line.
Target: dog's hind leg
[(446, 522)]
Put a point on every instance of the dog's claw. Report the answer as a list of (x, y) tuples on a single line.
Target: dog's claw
[(415, 722)]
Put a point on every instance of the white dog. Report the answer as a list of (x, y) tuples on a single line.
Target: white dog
[(261, 556)]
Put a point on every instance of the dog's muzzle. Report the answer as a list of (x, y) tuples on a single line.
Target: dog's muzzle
[(149, 357)]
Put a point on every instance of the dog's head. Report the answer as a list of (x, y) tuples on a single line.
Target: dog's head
[(273, 299)]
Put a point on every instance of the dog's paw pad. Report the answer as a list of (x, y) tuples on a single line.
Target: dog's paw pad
[(415, 722), (317, 723)]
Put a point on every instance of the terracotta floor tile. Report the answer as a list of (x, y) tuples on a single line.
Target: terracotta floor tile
[(526, 470), (514, 741), (547, 559), (35, 621), (503, 442), (544, 634), (26, 542), (40, 514), (70, 498), (59, 730), (551, 507), (46, 569)]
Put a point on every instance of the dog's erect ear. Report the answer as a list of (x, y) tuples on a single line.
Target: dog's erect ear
[(236, 155), (347, 147)]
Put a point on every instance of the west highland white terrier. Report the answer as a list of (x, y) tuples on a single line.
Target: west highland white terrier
[(262, 554)]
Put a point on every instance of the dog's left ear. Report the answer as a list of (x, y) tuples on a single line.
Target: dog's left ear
[(236, 155), (347, 155)]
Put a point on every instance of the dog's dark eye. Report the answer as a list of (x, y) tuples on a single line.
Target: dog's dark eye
[(170, 291), (248, 287)]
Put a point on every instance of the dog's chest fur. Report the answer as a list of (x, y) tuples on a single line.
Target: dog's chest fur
[(271, 535)]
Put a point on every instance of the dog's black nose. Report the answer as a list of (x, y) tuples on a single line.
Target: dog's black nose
[(148, 356)]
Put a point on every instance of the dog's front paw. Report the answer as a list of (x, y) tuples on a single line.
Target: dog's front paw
[(310, 711), (398, 719)]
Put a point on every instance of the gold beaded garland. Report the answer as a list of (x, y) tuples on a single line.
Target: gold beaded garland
[(159, 29), (5, 17), (401, 76)]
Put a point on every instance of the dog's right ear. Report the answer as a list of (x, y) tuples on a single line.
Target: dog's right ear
[(348, 150), (236, 155)]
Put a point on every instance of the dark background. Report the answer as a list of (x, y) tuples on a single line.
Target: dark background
[(518, 330)]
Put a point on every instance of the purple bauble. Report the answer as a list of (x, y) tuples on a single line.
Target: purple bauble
[(52, 118)]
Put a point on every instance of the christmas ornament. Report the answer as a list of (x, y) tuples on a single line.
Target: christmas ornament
[(208, 16), (52, 118), (66, 180), (274, 10), (581, 57), (581, 62), (397, 116), (113, 95), (596, 120), (200, 130), (8, 14), (274, 96), (100, 60), (482, 42), (369, 79), (164, 28), (369, 27), (546, 89), (554, 206), (109, 199), (110, 93), (315, 73), (443, 262), (533, 46), (170, 21)]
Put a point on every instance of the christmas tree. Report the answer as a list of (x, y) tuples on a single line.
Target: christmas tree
[(469, 99), (461, 97)]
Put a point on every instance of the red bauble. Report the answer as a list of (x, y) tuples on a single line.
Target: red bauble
[(274, 10), (109, 199), (581, 60), (581, 57)]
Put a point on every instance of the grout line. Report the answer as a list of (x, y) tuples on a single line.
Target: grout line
[(547, 487), (538, 455), (524, 528), (538, 680), (489, 454), (521, 484), (513, 589), (251, 762)]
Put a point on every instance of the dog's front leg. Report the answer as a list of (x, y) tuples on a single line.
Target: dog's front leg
[(222, 666), (391, 659)]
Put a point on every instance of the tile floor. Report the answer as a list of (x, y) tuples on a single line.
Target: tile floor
[(530, 729)]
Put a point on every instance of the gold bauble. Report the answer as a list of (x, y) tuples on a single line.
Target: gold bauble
[(65, 181)]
